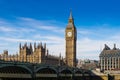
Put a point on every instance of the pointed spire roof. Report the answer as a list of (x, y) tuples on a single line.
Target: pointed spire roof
[(30, 45), (45, 45), (20, 45), (34, 44), (25, 45), (71, 17), (47, 52), (71, 20)]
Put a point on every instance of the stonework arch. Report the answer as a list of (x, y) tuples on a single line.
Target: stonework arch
[(66, 71), (46, 70)]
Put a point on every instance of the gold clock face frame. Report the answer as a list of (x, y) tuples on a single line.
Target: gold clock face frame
[(69, 34)]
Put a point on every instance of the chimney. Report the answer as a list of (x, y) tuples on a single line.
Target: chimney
[(114, 48)]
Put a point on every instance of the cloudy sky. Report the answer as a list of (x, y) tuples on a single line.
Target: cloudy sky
[(97, 23)]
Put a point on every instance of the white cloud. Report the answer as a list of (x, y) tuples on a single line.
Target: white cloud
[(115, 37), (56, 49), (47, 27), (92, 47), (44, 39), (42, 25), (54, 38), (6, 29), (51, 28), (84, 32), (15, 40), (90, 41), (2, 21), (25, 19)]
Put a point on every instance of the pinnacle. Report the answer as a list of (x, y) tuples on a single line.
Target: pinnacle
[(71, 17)]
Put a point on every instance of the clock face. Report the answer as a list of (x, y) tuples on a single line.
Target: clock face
[(69, 34)]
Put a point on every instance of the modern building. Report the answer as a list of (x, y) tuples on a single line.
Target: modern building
[(110, 59)]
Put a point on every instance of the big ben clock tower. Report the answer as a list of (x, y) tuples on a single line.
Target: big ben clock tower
[(71, 37)]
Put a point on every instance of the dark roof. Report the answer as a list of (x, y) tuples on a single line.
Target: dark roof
[(107, 52)]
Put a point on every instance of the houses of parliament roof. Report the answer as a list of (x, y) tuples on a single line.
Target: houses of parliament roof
[(107, 52)]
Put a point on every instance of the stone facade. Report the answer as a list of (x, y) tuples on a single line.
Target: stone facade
[(110, 59), (71, 37), (37, 55)]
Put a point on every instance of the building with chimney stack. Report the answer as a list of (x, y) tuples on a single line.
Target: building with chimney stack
[(110, 59)]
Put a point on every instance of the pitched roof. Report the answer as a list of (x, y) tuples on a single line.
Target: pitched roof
[(110, 52)]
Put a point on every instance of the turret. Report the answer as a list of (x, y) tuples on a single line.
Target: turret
[(31, 50), (39, 45), (47, 52), (20, 46), (34, 46), (45, 46), (30, 46), (25, 45)]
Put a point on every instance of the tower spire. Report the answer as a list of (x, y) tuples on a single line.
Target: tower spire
[(70, 17), (31, 50), (20, 46), (71, 20), (34, 46)]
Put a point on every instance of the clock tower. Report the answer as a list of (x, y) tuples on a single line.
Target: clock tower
[(71, 37)]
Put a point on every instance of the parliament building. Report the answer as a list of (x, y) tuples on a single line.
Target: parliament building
[(37, 55), (40, 54)]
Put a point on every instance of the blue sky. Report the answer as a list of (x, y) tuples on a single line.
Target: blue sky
[(97, 23)]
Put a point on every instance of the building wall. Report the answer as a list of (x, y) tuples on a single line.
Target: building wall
[(26, 54), (71, 37), (110, 59)]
